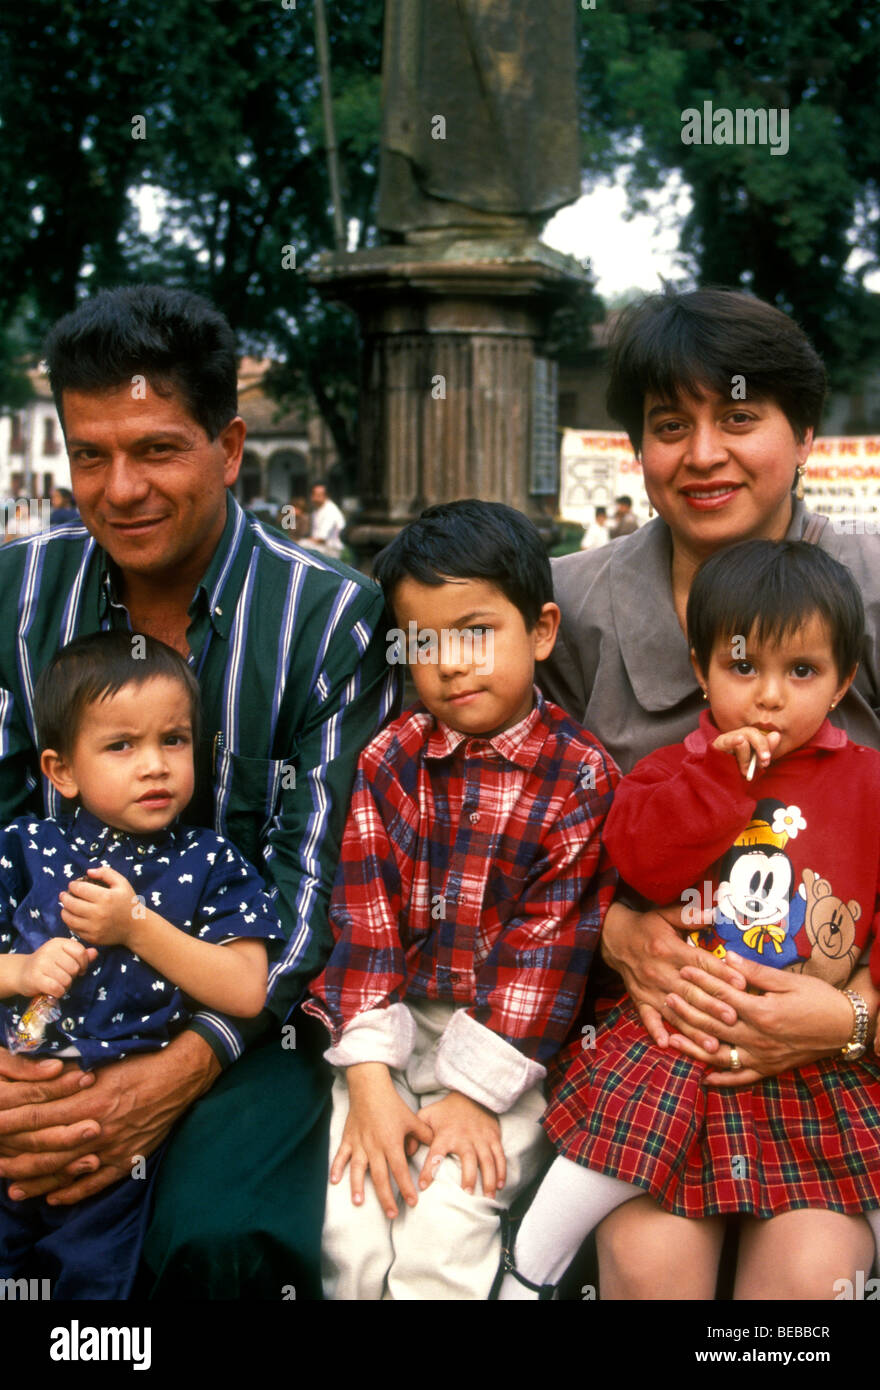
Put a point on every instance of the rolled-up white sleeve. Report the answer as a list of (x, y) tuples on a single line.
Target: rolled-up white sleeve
[(474, 1060), (376, 1035)]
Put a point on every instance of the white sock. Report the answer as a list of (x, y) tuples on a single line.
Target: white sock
[(873, 1220), (569, 1203)]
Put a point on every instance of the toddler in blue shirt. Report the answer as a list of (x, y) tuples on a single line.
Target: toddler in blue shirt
[(116, 919)]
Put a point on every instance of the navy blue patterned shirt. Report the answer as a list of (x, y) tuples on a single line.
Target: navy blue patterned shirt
[(195, 879)]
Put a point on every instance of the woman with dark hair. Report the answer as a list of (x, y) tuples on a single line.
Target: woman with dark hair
[(721, 395)]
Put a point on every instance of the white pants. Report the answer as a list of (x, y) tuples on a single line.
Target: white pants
[(449, 1245)]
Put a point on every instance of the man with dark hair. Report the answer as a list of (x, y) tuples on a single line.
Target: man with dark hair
[(294, 682), (625, 520)]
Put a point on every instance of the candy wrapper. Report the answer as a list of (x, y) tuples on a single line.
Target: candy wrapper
[(30, 1030)]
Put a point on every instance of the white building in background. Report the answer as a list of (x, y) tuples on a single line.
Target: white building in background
[(33, 459), (286, 450)]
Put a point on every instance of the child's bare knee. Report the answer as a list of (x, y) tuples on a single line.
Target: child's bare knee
[(815, 1277), (632, 1260)]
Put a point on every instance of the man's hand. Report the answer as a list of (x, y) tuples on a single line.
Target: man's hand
[(648, 951), (29, 1088), (93, 1122), (100, 908), (742, 743), (463, 1127), (796, 1019), (380, 1131), (52, 968)]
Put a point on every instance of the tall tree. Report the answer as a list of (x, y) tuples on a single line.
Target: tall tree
[(217, 108), (782, 225)]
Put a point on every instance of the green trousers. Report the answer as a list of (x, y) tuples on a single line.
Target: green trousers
[(239, 1199)]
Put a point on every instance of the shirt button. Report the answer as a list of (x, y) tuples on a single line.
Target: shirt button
[(141, 849), (94, 847), (219, 612), (475, 818), (67, 1025)]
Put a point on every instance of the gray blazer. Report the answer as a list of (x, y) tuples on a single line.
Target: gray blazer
[(621, 665)]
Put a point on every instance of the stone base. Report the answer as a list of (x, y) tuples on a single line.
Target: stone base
[(451, 372)]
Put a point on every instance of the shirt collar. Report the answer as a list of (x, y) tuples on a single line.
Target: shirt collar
[(519, 745), (651, 642), (218, 589), (220, 585), (92, 830), (826, 736)]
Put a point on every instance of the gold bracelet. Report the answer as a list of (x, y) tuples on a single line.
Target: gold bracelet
[(858, 1043)]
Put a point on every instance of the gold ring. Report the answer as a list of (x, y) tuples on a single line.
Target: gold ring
[(735, 1063)]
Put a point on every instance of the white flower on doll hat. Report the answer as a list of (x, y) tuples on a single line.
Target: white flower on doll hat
[(788, 821)]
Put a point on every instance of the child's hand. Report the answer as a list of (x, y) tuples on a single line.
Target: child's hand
[(53, 967), (463, 1127), (743, 742), (100, 908), (379, 1132)]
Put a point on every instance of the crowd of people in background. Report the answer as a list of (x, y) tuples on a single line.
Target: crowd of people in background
[(317, 525), (598, 532)]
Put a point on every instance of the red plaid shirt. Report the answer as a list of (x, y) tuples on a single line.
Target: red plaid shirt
[(471, 871)]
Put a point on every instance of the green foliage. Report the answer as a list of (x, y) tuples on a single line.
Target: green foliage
[(569, 333), (230, 97), (780, 225), (17, 350), (229, 93)]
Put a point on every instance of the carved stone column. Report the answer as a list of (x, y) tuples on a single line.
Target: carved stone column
[(456, 398)]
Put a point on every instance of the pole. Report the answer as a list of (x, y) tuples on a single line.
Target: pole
[(329, 125)]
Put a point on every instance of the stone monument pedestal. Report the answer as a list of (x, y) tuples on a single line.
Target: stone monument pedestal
[(456, 399)]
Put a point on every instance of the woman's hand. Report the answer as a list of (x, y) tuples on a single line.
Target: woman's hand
[(796, 1019), (646, 948)]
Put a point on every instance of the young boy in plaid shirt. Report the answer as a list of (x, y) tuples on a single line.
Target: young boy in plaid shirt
[(468, 901)]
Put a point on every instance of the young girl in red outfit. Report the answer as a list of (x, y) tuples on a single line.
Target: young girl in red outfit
[(768, 814)]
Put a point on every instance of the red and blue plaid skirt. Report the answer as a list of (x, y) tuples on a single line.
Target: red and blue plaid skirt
[(807, 1138)]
